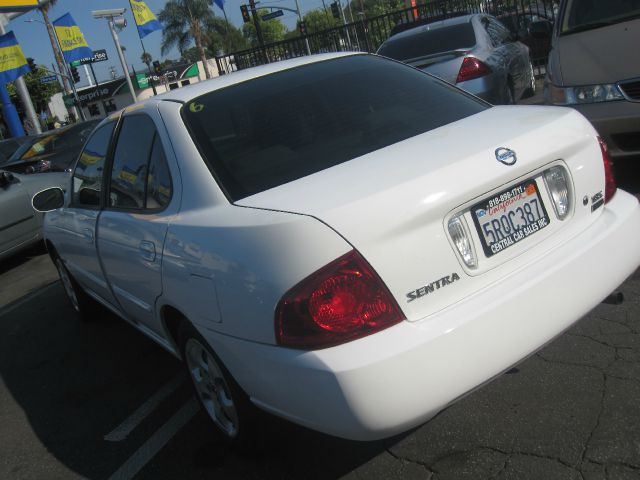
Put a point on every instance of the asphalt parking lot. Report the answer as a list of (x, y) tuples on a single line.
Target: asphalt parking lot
[(98, 400)]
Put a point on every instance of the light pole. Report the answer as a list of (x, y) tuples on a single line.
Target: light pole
[(115, 19), (306, 40)]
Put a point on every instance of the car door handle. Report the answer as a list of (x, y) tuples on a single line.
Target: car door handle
[(88, 234), (148, 250)]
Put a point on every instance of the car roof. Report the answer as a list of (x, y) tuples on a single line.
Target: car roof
[(190, 92), (447, 22)]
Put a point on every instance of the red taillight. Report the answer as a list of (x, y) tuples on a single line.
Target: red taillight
[(472, 68), (342, 301), (610, 186)]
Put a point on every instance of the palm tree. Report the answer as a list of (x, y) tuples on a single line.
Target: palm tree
[(147, 59), (184, 21)]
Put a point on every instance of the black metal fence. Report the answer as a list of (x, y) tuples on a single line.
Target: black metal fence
[(367, 34)]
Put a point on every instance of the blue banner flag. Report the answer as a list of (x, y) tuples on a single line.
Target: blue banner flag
[(13, 64), (220, 3), (74, 46), (144, 17)]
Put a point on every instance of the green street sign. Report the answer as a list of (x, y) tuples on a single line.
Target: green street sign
[(75, 63), (142, 80)]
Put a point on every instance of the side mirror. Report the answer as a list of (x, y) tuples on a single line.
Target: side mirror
[(6, 179), (541, 29), (48, 200)]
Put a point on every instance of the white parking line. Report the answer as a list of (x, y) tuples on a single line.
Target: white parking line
[(4, 309), (125, 428), (158, 440)]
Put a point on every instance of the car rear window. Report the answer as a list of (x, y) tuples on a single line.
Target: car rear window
[(428, 42), (271, 130)]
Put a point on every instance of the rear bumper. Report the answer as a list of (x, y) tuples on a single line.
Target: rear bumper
[(399, 378), (618, 123), (490, 88)]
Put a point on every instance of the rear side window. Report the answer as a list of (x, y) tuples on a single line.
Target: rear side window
[(275, 129), (427, 42), (87, 176), (139, 177)]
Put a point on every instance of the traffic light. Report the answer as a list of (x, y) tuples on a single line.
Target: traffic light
[(75, 75), (335, 10), (245, 13), (303, 27), (32, 65), (156, 66)]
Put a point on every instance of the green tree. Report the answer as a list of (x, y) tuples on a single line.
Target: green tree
[(146, 58), (222, 35), (40, 92), (272, 30), (185, 22), (318, 20)]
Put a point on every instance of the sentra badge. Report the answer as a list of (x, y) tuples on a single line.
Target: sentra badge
[(431, 287)]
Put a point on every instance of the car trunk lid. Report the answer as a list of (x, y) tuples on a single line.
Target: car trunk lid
[(393, 204)]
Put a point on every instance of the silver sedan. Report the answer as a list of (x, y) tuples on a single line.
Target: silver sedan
[(20, 224), (475, 52)]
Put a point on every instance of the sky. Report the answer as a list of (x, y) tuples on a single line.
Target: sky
[(35, 42)]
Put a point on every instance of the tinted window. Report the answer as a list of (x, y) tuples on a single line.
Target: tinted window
[(130, 162), (140, 176), (87, 177), (159, 187), (584, 14), (425, 42), (274, 129)]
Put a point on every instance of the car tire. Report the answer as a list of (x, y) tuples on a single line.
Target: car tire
[(221, 398), (84, 306)]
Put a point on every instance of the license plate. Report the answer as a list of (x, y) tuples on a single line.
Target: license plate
[(509, 217)]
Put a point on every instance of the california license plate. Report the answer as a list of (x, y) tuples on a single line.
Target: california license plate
[(509, 217)]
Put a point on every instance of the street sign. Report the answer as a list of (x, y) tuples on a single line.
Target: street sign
[(98, 56), (48, 79), (142, 80), (275, 14)]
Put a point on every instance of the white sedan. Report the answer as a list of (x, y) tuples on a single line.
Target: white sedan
[(341, 240)]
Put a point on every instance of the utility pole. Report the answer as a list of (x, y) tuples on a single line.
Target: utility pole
[(256, 22), (306, 40)]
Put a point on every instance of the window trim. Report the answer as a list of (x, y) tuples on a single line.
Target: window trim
[(107, 158), (109, 171)]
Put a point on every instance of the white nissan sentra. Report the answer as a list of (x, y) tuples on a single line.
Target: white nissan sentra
[(341, 240)]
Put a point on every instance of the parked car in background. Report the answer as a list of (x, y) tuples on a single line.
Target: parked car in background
[(519, 24), (20, 224), (341, 240), (475, 52), (52, 151), (8, 147), (594, 67)]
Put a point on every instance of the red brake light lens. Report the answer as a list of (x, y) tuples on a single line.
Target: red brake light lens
[(610, 186), (472, 68), (341, 302)]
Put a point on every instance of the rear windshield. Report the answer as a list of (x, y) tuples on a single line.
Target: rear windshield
[(428, 42), (275, 129), (58, 141)]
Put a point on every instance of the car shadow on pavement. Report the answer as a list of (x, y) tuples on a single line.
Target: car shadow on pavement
[(67, 384)]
